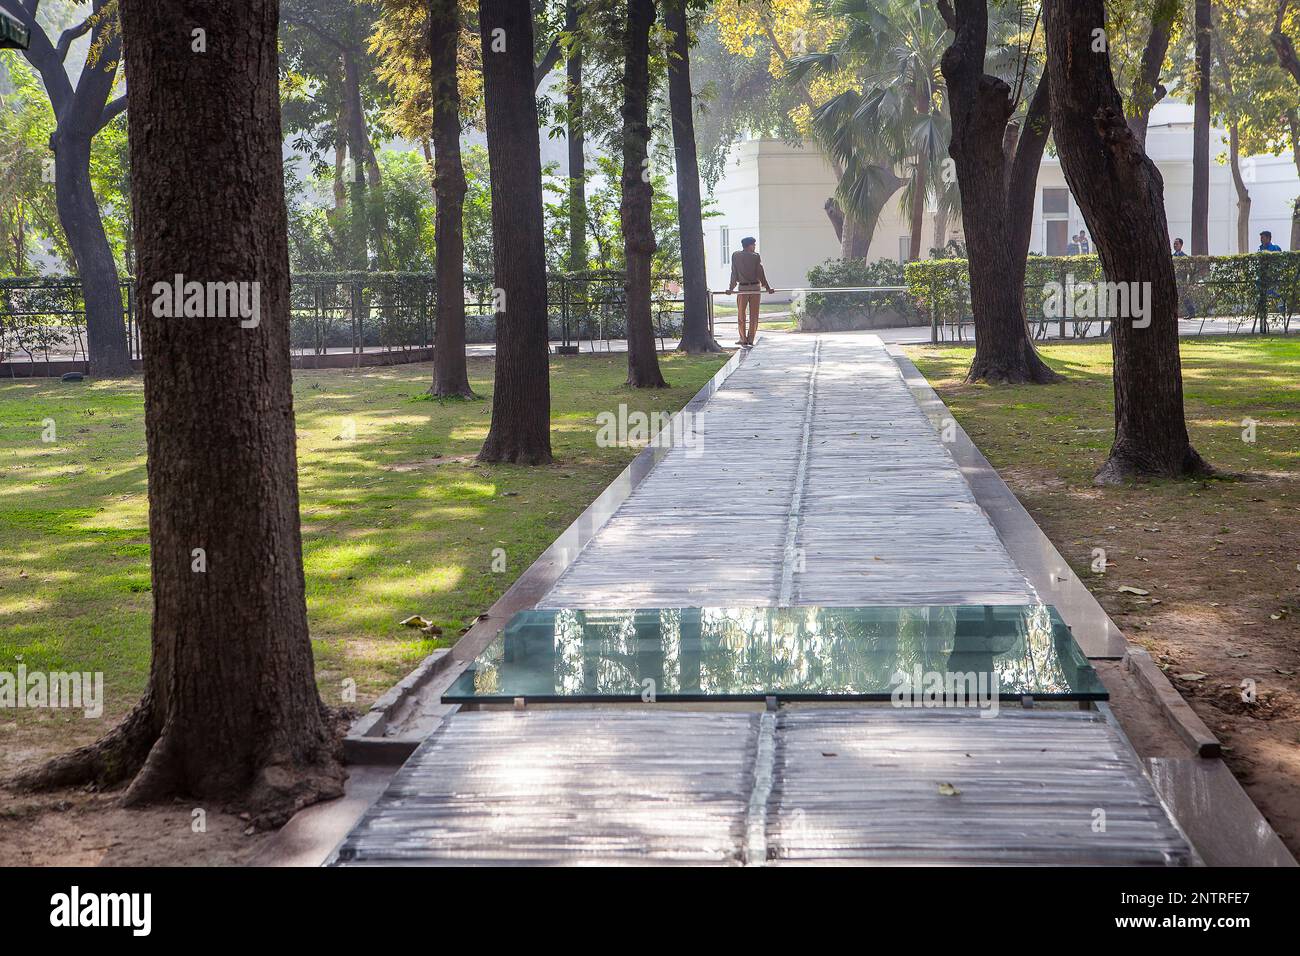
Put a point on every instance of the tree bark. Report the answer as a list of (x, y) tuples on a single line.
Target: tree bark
[(859, 231), (1121, 194), (981, 109), (450, 375), (920, 181), (835, 213), (638, 233), (1022, 185), (231, 713), (940, 228), (1234, 158), (521, 398), (81, 112), (577, 143), (106, 341), (696, 337), (917, 213), (1148, 90), (355, 124), (1239, 183), (1201, 133)]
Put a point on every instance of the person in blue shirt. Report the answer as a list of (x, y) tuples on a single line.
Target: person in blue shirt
[(1266, 243), (1178, 248)]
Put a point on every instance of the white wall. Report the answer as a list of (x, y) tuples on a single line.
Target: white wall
[(775, 192)]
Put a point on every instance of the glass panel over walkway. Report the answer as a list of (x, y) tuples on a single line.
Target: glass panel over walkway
[(937, 655)]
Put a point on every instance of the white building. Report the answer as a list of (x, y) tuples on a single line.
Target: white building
[(776, 193)]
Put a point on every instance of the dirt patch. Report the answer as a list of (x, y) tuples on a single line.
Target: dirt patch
[(73, 828), (433, 462), (1221, 615)]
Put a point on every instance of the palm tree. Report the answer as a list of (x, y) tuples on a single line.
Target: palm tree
[(895, 117)]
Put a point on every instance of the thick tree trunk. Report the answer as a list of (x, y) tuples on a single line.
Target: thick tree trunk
[(1201, 133), (355, 124), (917, 213), (1022, 185), (450, 376), (521, 397), (981, 109), (1121, 194), (638, 233), (81, 112), (1234, 158), (696, 337), (1239, 183), (106, 341), (835, 213), (231, 713), (858, 228), (940, 238)]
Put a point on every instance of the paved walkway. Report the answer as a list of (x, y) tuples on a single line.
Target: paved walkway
[(816, 480)]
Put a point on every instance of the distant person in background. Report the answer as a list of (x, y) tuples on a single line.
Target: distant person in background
[(1084, 248), (1178, 248), (1266, 243), (1072, 249), (748, 277)]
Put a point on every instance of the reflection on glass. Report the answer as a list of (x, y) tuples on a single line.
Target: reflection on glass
[(795, 653)]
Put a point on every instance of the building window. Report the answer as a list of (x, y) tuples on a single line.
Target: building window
[(904, 248), (1056, 221), (1056, 202), (724, 245)]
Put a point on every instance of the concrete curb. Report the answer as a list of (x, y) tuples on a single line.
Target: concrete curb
[(1177, 711)]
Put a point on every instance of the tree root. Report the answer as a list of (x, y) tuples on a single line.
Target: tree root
[(1031, 371), (136, 750), (113, 758), (1120, 469)]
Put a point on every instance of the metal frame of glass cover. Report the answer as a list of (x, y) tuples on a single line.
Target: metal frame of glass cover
[(949, 653)]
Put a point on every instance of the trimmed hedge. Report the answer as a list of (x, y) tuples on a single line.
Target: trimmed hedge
[(839, 311), (1240, 287)]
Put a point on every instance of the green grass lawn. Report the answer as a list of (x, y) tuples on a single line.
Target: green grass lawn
[(397, 520), (1225, 381)]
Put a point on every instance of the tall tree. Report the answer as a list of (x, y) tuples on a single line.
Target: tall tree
[(231, 712), (696, 337), (1231, 112), (81, 111), (893, 113), (1147, 88), (521, 399), (638, 234), (1121, 194), (1201, 132), (576, 140), (450, 375), (997, 195), (334, 101)]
